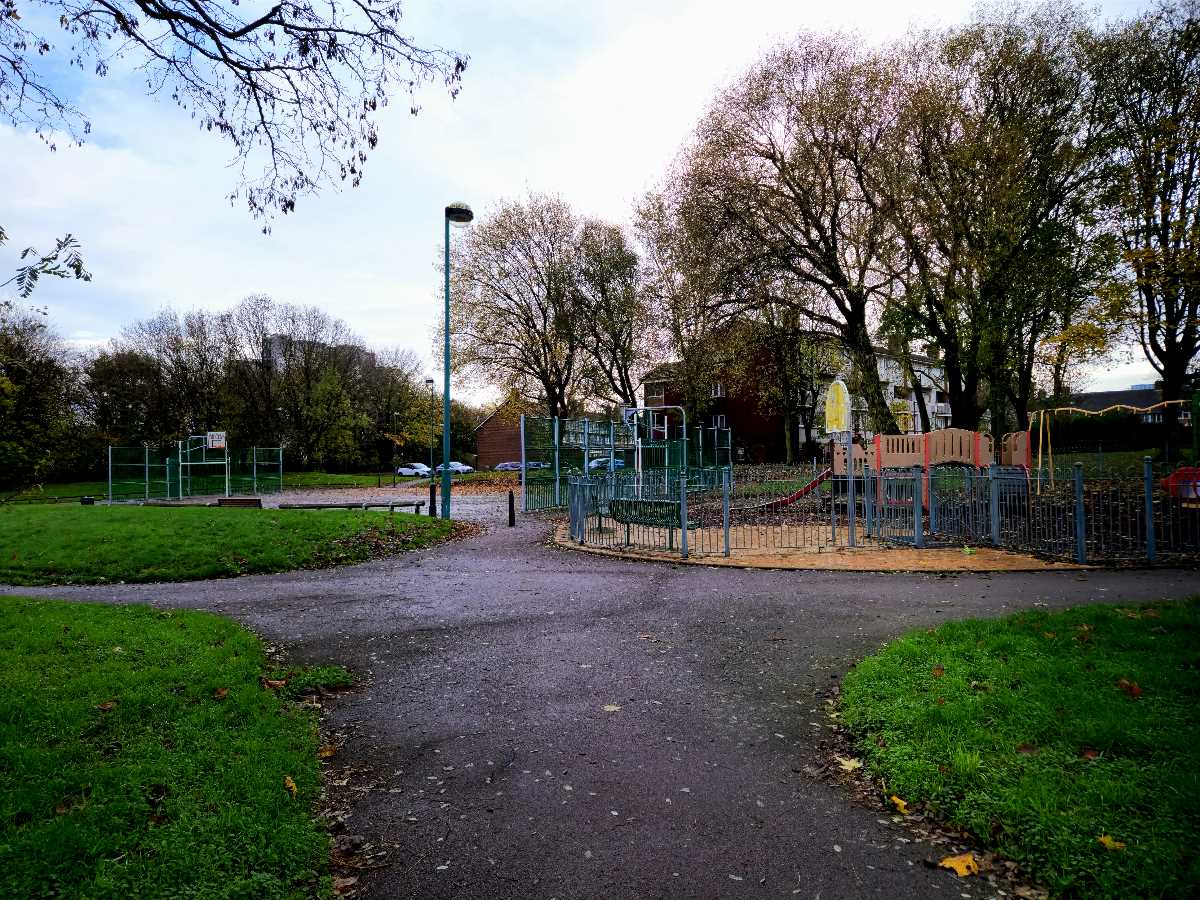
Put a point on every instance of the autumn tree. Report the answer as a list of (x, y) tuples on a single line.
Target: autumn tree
[(1151, 68), (770, 195), (516, 307), (615, 316), (992, 160)]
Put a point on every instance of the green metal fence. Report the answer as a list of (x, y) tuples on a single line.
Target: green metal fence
[(192, 470), (555, 449)]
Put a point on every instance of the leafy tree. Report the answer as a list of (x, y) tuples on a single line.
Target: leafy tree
[(37, 394)]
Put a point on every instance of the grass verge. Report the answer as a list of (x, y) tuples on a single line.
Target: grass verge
[(44, 544), (141, 756), (1042, 734)]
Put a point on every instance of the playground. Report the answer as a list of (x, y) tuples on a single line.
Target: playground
[(951, 498)]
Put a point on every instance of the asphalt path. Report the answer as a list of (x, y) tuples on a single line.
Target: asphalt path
[(537, 722)]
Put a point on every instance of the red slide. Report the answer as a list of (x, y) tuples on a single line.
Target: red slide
[(772, 505)]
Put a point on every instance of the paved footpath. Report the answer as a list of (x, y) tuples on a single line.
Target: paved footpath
[(549, 724)]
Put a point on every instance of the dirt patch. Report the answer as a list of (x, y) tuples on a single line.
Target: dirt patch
[(860, 559)]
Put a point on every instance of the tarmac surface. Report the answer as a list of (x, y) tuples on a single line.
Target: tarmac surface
[(538, 722)]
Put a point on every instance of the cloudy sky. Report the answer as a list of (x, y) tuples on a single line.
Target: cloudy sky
[(590, 101)]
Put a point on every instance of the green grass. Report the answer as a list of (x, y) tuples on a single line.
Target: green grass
[(125, 772), (47, 544), (1029, 741)]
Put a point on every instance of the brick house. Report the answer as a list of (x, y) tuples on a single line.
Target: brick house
[(498, 437)]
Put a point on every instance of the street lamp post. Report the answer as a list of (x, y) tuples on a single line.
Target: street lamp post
[(459, 215), (432, 422)]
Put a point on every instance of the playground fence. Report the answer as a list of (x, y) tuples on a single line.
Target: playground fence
[(760, 511)]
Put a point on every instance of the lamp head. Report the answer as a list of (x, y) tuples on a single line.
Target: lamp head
[(459, 214)]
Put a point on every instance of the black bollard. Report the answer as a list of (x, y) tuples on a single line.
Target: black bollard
[(512, 510), (433, 498)]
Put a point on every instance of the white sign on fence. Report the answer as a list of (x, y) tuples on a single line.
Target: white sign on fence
[(216, 440)]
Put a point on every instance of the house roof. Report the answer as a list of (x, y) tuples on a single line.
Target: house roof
[(1094, 401), (518, 406)]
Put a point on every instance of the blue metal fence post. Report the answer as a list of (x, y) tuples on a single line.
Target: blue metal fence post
[(918, 507), (851, 502), (725, 506), (1148, 473), (994, 504), (683, 522), (557, 474), (1080, 534)]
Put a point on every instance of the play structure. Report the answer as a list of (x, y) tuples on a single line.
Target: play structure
[(646, 445), (198, 466)]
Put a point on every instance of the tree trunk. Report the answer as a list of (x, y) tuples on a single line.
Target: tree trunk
[(789, 443), (866, 368)]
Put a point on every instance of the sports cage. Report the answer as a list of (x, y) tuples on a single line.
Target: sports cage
[(192, 469)]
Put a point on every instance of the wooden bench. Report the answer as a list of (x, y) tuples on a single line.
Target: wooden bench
[(241, 502), (390, 505)]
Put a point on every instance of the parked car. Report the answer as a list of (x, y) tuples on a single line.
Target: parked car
[(507, 467), (413, 468), (537, 465), (602, 463), (456, 468)]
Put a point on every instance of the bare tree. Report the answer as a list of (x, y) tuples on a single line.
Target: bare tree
[(295, 88)]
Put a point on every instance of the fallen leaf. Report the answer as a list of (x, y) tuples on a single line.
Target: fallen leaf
[(221, 693), (848, 765), (327, 751), (1027, 749), (900, 805), (106, 706), (963, 865), (343, 885), (939, 671), (1089, 753), (1151, 614), (941, 701), (610, 707), (1108, 843), (274, 683), (1049, 635), (1130, 687), (968, 550), (290, 785), (156, 819)]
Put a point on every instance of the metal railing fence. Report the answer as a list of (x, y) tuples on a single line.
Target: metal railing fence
[(760, 511)]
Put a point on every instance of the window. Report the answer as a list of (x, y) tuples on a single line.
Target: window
[(656, 394), (941, 397), (900, 392), (718, 390), (719, 422)]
